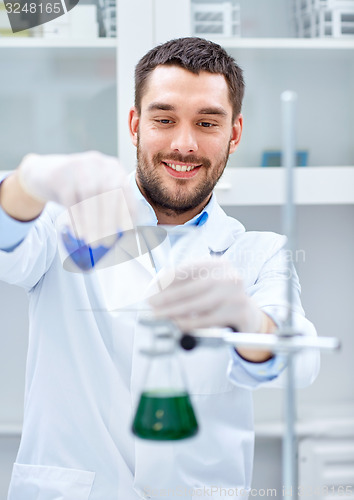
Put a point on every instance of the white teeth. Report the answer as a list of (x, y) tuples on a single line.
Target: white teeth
[(180, 168)]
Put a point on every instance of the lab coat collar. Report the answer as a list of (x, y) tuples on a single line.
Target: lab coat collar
[(220, 230)]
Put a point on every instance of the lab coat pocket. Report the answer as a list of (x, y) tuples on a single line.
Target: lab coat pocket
[(38, 482)]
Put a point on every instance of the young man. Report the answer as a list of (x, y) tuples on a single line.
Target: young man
[(84, 363)]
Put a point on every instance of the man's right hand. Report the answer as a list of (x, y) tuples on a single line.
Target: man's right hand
[(69, 180)]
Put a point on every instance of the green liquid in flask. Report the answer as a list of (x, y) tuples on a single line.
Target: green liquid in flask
[(165, 416)]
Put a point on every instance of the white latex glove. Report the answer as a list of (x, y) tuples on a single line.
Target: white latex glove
[(208, 294), (93, 186)]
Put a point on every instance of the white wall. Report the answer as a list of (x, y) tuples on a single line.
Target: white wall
[(8, 449), (14, 326), (13, 341), (326, 235)]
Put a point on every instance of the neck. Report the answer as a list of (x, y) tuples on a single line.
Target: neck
[(165, 216)]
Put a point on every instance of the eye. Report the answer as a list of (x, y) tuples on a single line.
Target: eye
[(205, 124), (165, 121)]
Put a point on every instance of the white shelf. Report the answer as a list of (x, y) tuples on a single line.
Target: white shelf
[(284, 43), (29, 43), (272, 430), (226, 42), (327, 427), (10, 430), (321, 427), (266, 186)]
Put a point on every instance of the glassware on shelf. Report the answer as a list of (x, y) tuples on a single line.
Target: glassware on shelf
[(220, 18), (324, 18), (108, 10), (79, 23)]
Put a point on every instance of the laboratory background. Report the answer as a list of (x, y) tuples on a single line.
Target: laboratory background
[(66, 86)]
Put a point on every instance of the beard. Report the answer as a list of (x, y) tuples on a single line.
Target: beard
[(181, 199)]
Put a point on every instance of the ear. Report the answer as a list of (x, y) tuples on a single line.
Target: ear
[(236, 133), (133, 123)]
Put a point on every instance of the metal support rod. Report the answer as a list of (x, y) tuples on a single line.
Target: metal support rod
[(219, 337), (289, 471), (288, 100)]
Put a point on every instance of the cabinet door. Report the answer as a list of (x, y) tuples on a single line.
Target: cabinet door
[(323, 80), (57, 100), (326, 468)]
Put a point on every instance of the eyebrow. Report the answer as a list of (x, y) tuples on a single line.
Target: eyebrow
[(160, 106), (215, 110), (212, 110)]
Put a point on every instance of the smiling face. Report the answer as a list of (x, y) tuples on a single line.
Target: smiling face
[(184, 135)]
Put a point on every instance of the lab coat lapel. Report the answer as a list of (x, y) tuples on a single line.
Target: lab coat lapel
[(220, 231)]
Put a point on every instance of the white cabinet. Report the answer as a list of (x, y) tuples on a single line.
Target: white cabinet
[(322, 74), (321, 71), (326, 468), (68, 95), (64, 95), (56, 99)]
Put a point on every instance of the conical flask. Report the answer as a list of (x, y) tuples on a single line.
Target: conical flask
[(165, 411)]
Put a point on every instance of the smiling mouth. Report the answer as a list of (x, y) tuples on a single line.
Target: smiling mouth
[(181, 168)]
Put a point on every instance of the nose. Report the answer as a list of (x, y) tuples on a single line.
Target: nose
[(184, 139)]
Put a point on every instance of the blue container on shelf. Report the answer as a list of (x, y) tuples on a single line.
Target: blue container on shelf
[(273, 158)]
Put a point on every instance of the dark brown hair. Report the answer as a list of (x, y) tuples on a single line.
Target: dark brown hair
[(195, 55)]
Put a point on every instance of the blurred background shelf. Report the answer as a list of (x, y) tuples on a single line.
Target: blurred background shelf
[(226, 42), (266, 186), (42, 43), (10, 429), (328, 427), (284, 43)]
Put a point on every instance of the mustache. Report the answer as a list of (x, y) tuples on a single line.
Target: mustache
[(178, 158)]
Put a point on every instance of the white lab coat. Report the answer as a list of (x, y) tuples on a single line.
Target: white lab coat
[(85, 373)]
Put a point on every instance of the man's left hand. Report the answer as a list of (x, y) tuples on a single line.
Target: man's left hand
[(207, 294)]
